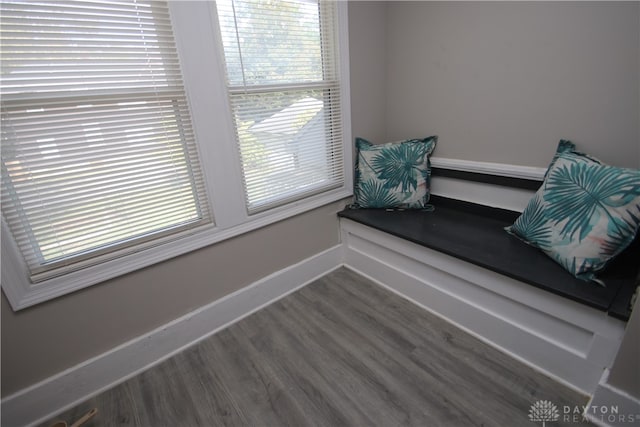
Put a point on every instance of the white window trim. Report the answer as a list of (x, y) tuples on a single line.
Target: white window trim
[(196, 31)]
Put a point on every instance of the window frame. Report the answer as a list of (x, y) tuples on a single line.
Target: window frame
[(330, 77), (196, 30)]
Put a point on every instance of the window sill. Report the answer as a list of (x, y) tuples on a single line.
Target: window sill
[(21, 293)]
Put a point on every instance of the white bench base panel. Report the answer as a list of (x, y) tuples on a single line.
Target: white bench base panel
[(566, 340)]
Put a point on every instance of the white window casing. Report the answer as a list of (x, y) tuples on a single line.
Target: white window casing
[(212, 169)]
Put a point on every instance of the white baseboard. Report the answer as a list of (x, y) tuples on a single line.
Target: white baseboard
[(47, 398), (568, 341), (612, 407)]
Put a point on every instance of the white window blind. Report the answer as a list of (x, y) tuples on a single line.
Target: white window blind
[(98, 152), (282, 72)]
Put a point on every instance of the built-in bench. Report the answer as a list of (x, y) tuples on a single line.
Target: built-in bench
[(475, 233), (458, 262)]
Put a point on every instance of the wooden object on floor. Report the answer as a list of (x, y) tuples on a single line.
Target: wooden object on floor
[(86, 417)]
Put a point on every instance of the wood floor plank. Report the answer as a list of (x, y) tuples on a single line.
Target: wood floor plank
[(402, 388), (428, 384), (335, 368), (341, 351), (215, 403), (261, 394), (288, 356), (461, 359)]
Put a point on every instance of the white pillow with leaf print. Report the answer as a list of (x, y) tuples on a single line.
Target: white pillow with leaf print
[(584, 214), (393, 175)]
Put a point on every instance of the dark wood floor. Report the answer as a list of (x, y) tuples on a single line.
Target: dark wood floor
[(341, 351)]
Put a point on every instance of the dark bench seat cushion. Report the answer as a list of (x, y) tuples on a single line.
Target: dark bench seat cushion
[(475, 233)]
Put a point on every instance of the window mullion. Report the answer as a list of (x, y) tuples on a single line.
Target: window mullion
[(195, 25)]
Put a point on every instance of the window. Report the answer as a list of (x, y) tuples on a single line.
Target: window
[(119, 142), (282, 74), (98, 151)]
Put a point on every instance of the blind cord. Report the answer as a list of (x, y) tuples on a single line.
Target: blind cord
[(235, 26)]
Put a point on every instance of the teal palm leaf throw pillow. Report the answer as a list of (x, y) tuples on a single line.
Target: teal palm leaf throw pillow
[(584, 214), (393, 175)]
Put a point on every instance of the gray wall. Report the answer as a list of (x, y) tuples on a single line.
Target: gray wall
[(367, 48), (45, 339), (504, 81)]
